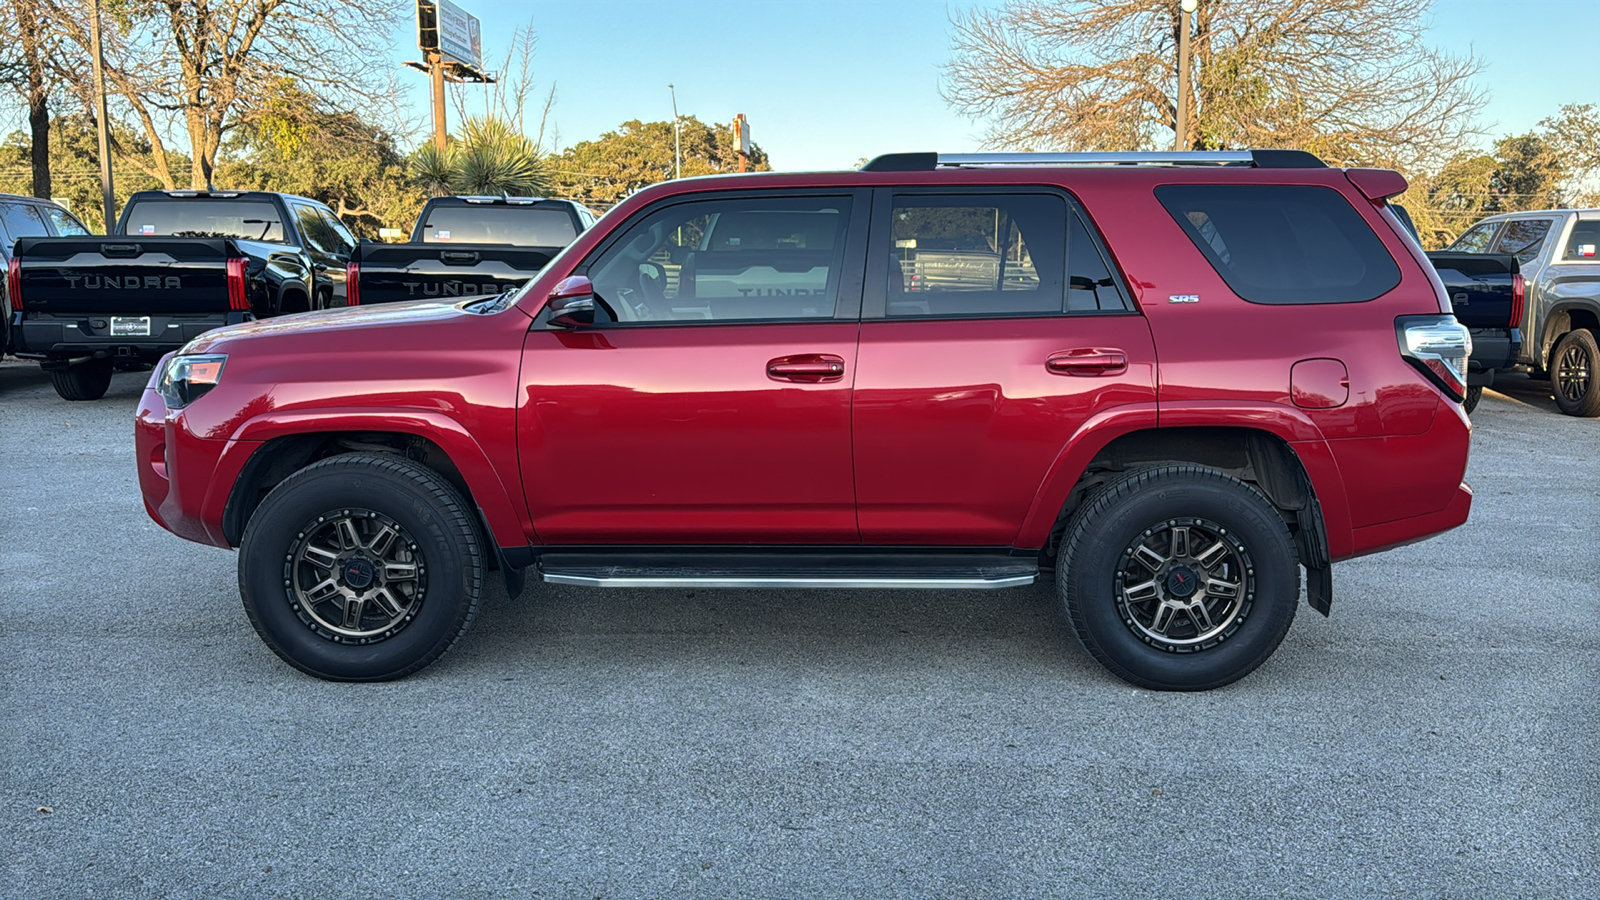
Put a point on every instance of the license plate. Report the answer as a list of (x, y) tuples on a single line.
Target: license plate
[(130, 326)]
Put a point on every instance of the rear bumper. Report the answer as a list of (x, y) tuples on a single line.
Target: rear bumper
[(1493, 349), (66, 335), (1403, 489), (184, 478)]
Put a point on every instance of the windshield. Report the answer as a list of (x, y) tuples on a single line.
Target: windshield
[(203, 217), (523, 226)]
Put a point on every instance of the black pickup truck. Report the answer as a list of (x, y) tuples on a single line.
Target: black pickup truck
[(1487, 293), (466, 247), (179, 263)]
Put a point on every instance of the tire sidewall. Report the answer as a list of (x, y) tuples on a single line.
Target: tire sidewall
[(447, 599), (1099, 541), (1589, 403)]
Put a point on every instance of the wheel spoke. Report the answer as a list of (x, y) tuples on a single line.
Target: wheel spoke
[(1162, 618), (352, 612), (348, 537), (321, 557), (1150, 559), (322, 591), (399, 571), (382, 541), (1139, 593), (1180, 542), (386, 602), (1222, 590), (1213, 554), (1200, 616)]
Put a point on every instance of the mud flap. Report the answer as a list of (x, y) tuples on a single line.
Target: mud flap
[(1312, 542)]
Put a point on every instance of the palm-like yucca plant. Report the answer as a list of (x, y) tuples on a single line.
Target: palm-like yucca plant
[(491, 157)]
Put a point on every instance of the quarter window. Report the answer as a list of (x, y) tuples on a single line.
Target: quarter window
[(727, 260), (65, 224), (1283, 244), (1476, 240), (1584, 244)]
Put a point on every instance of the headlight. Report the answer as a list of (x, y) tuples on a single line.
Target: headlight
[(186, 379)]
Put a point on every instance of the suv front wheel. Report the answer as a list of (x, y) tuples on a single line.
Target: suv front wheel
[(361, 567), (1178, 578)]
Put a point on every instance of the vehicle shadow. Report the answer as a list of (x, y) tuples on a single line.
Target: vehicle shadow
[(1523, 390), (23, 376)]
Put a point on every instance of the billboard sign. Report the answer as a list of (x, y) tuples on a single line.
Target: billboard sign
[(449, 29)]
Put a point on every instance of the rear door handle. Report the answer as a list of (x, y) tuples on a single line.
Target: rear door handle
[(806, 368), (1087, 361)]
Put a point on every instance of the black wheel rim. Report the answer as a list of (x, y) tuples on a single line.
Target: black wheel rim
[(1572, 373), (1185, 584), (354, 576)]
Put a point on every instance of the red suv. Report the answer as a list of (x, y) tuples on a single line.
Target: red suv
[(1169, 381)]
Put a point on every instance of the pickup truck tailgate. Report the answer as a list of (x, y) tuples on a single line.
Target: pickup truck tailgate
[(388, 273), (116, 275)]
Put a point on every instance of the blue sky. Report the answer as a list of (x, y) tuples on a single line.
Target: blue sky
[(826, 82)]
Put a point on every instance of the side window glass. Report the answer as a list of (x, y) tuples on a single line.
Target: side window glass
[(1523, 238), (1282, 243), (1585, 241), (312, 229), (1475, 240), (1090, 285), (65, 224), (340, 239), (727, 260), (997, 255), (22, 220)]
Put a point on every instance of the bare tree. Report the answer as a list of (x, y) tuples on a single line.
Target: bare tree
[(1348, 79), (202, 63), (26, 65)]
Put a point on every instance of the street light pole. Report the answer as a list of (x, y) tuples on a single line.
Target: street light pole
[(108, 197), (677, 145), (1181, 127)]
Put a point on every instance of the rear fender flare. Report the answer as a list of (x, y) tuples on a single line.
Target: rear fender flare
[(500, 507)]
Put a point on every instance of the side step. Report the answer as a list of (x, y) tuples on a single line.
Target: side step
[(777, 570)]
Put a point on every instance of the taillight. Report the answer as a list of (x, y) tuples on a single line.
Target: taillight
[(14, 281), (1439, 347), (1519, 295), (237, 298), (352, 284)]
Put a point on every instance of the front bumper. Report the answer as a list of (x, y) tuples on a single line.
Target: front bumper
[(185, 478)]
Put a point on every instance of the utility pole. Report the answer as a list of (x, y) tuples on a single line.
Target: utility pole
[(1181, 129), (677, 143), (107, 195), (741, 140), (436, 72)]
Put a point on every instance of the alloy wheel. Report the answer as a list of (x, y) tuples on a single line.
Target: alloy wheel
[(354, 576), (1184, 585)]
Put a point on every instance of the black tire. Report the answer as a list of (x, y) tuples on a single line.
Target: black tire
[(287, 544), (88, 380), (1474, 394), (1573, 379), (1101, 545)]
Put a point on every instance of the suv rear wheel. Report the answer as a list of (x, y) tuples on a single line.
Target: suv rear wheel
[(87, 380), (1572, 373), (1179, 578), (361, 568)]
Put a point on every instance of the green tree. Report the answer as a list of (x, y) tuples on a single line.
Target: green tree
[(295, 145), (75, 165), (603, 171)]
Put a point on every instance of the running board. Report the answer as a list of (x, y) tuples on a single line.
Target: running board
[(892, 572)]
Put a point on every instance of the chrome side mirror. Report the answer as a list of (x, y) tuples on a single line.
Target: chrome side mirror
[(572, 304)]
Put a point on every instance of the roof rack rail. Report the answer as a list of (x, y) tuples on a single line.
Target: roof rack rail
[(1261, 159)]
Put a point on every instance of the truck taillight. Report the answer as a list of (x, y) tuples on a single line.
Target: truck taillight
[(237, 299), (1519, 295), (14, 282), (352, 284)]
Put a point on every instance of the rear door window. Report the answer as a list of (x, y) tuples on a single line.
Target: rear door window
[(1524, 238), (1476, 240), (65, 224), (22, 220), (1283, 244), (1584, 244), (978, 255)]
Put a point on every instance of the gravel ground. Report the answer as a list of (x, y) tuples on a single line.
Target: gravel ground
[(1435, 738)]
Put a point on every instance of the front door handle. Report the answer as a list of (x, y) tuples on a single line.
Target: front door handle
[(806, 368), (1087, 361)]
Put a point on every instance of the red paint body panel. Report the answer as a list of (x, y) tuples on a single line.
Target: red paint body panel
[(936, 432)]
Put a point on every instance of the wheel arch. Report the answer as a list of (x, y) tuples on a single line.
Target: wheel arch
[(1563, 318)]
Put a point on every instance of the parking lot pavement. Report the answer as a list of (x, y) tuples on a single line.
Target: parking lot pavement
[(1436, 737)]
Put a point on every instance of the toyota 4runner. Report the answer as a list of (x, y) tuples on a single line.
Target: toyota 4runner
[(1179, 385)]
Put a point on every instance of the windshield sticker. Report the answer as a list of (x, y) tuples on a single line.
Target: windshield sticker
[(442, 235), (147, 229)]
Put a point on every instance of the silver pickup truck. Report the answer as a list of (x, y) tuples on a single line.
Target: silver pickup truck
[(1559, 250)]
